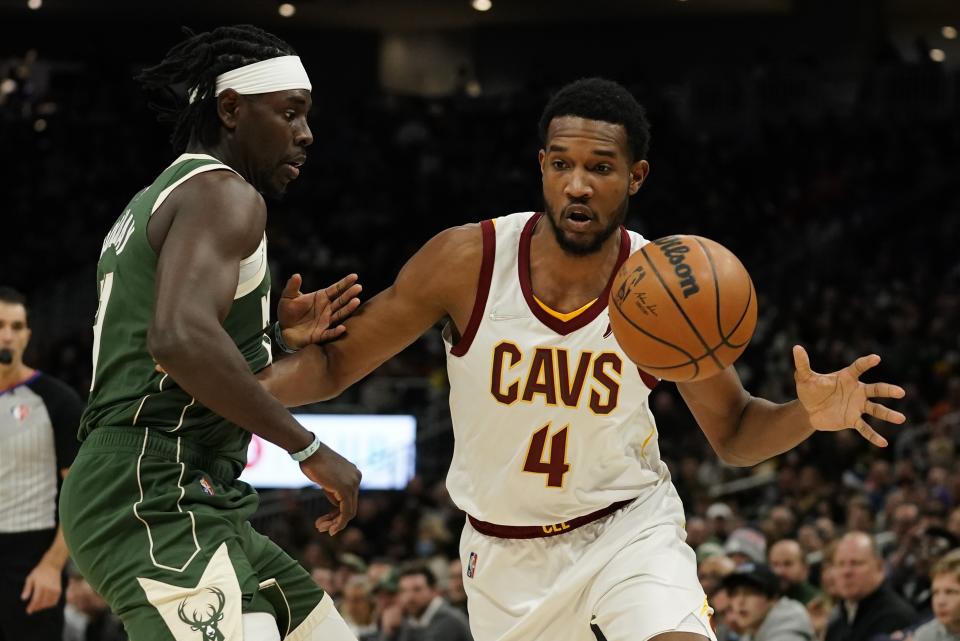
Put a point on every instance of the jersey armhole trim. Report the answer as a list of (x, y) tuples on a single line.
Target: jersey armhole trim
[(199, 170), (483, 289)]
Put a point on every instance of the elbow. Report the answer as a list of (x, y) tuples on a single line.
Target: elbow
[(729, 455), (166, 343)]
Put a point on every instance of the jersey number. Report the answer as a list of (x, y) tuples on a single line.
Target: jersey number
[(106, 287), (556, 466)]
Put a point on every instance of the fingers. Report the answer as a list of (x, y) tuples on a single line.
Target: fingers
[(343, 310), (346, 299), (348, 509), (27, 588), (43, 597), (869, 433), (335, 290), (325, 522), (884, 413), (864, 363), (292, 288), (801, 361), (331, 333), (884, 390)]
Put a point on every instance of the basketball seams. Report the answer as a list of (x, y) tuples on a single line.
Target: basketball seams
[(716, 286), (710, 352)]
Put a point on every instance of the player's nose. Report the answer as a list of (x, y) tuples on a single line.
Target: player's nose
[(578, 187)]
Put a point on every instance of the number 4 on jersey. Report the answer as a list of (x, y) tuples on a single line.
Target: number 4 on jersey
[(556, 467)]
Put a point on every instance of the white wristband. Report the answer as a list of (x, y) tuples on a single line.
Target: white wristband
[(308, 451)]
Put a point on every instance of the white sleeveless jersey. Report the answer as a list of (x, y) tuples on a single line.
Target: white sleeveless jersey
[(551, 419)]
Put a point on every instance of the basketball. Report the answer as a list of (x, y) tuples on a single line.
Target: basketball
[(683, 308)]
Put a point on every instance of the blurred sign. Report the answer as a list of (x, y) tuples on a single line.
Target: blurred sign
[(382, 446)]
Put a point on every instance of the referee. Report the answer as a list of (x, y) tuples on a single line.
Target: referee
[(39, 417)]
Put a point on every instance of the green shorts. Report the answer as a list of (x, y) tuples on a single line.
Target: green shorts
[(160, 530)]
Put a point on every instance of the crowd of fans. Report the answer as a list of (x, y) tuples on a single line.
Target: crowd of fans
[(847, 222)]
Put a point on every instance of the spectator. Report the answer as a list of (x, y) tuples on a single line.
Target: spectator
[(456, 595), (787, 562), (712, 571), (746, 545), (428, 617), (946, 602), (86, 615), (721, 520), (359, 609), (869, 606), (758, 612)]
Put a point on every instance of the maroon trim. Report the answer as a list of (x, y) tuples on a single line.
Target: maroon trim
[(483, 288), (649, 380), (586, 316), (542, 531)]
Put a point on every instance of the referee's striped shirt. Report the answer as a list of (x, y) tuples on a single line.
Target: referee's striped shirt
[(38, 438)]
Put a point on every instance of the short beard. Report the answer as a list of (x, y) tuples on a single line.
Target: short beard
[(594, 245)]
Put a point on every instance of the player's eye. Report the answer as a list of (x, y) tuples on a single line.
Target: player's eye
[(558, 164), (289, 114), (603, 168)]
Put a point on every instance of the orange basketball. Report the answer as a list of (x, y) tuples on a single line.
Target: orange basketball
[(683, 308)]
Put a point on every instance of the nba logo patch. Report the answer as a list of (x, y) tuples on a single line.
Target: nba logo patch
[(472, 565), (20, 412), (205, 484)]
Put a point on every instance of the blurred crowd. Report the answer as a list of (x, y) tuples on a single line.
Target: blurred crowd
[(847, 221)]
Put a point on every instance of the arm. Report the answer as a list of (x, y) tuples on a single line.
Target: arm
[(439, 280), (214, 221), (43, 586), (745, 430)]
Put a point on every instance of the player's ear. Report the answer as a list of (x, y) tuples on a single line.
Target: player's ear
[(540, 158), (228, 108), (638, 173)]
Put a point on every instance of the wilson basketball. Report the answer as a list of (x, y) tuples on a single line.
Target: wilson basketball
[(683, 308)]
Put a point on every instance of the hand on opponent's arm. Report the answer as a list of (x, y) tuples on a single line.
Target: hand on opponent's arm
[(745, 430), (316, 317)]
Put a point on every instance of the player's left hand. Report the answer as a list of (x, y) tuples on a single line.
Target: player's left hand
[(839, 400), (316, 317), (42, 587)]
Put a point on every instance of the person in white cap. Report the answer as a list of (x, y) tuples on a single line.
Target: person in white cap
[(152, 511)]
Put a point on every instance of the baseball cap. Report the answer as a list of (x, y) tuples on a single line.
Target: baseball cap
[(757, 575), (719, 511), (748, 542)]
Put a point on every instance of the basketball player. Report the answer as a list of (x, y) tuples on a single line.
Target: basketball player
[(152, 510), (574, 528)]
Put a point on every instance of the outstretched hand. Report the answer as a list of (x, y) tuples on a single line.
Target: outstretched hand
[(316, 317), (839, 400)]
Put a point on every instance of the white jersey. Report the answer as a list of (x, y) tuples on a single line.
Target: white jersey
[(551, 419)]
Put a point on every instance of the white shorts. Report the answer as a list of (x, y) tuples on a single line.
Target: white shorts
[(624, 577)]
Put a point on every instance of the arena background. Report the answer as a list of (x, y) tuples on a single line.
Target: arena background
[(820, 140)]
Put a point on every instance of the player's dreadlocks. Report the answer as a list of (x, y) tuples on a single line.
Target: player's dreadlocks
[(193, 66)]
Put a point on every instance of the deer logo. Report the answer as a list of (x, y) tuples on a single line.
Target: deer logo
[(207, 625)]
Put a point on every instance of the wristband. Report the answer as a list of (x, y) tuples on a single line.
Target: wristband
[(308, 451), (278, 339)]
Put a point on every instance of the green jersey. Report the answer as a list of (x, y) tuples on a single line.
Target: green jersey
[(127, 390)]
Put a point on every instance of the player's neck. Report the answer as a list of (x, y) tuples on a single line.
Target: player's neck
[(14, 374), (565, 281), (222, 152)]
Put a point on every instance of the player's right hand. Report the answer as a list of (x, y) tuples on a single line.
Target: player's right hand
[(340, 480)]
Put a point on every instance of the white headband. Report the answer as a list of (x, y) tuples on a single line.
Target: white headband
[(273, 74)]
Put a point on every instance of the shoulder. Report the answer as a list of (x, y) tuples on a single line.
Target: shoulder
[(221, 194), (464, 241), (53, 390)]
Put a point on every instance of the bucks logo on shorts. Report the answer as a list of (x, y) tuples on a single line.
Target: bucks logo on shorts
[(207, 621), (206, 608)]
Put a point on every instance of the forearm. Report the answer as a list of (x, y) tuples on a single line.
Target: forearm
[(765, 430), (56, 555), (219, 378), (301, 378)]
